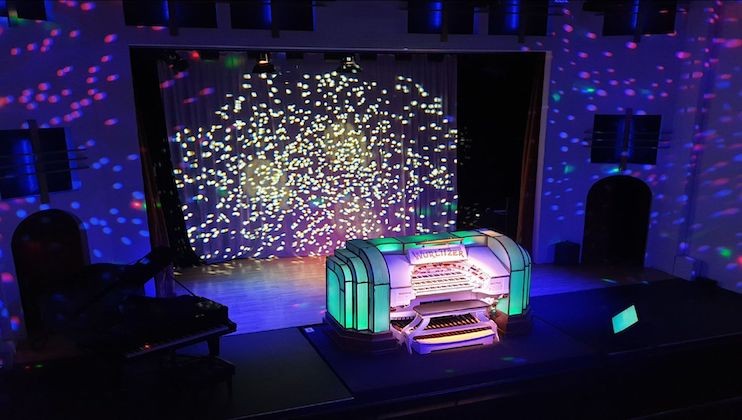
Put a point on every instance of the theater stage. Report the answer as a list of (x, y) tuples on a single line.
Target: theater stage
[(680, 358)]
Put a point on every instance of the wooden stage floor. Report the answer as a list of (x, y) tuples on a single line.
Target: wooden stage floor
[(266, 295)]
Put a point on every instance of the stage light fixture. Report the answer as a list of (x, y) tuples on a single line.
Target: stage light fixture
[(175, 62), (264, 64), (349, 65)]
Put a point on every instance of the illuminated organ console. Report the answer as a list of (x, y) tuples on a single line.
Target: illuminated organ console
[(428, 292)]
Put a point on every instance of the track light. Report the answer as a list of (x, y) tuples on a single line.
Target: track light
[(264, 64), (175, 62), (349, 65)]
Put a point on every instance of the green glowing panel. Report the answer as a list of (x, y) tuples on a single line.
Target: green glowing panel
[(357, 268), (355, 245), (375, 264), (466, 233), (362, 307), (499, 250), (381, 308), (333, 295), (514, 251), (624, 319), (474, 240), (381, 241), (471, 237), (389, 248), (502, 305), (348, 304), (527, 288), (516, 293), (347, 276), (426, 237)]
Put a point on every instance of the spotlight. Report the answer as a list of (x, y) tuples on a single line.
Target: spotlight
[(175, 62), (349, 65), (264, 64)]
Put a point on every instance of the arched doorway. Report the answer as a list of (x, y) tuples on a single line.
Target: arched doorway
[(616, 222)]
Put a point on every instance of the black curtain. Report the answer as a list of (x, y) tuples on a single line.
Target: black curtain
[(164, 215), (529, 162), (499, 100)]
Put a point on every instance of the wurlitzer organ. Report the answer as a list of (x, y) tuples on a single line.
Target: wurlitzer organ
[(428, 292)]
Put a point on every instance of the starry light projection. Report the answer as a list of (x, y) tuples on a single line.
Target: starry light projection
[(66, 72), (297, 167), (686, 74)]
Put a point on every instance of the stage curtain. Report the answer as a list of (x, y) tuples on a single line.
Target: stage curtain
[(164, 216), (529, 167), (297, 163)]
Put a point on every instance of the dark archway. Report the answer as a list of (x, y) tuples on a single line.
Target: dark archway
[(616, 222), (50, 248)]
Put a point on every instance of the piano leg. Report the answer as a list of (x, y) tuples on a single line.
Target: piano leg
[(214, 345)]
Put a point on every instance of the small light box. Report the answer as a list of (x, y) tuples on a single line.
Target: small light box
[(624, 319)]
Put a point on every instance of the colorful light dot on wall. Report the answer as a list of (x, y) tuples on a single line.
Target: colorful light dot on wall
[(725, 252)]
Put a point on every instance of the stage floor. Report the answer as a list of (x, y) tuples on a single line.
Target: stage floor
[(682, 354), (265, 295)]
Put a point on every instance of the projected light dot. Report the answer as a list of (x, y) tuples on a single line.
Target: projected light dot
[(306, 176), (15, 322), (725, 252)]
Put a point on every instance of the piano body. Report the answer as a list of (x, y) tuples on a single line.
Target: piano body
[(428, 292), (109, 315), (156, 325)]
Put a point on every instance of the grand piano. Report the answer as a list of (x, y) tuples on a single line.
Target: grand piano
[(111, 316)]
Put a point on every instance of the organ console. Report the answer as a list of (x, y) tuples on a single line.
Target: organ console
[(428, 292)]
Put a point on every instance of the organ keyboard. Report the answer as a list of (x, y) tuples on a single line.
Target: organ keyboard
[(431, 279), (443, 325)]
